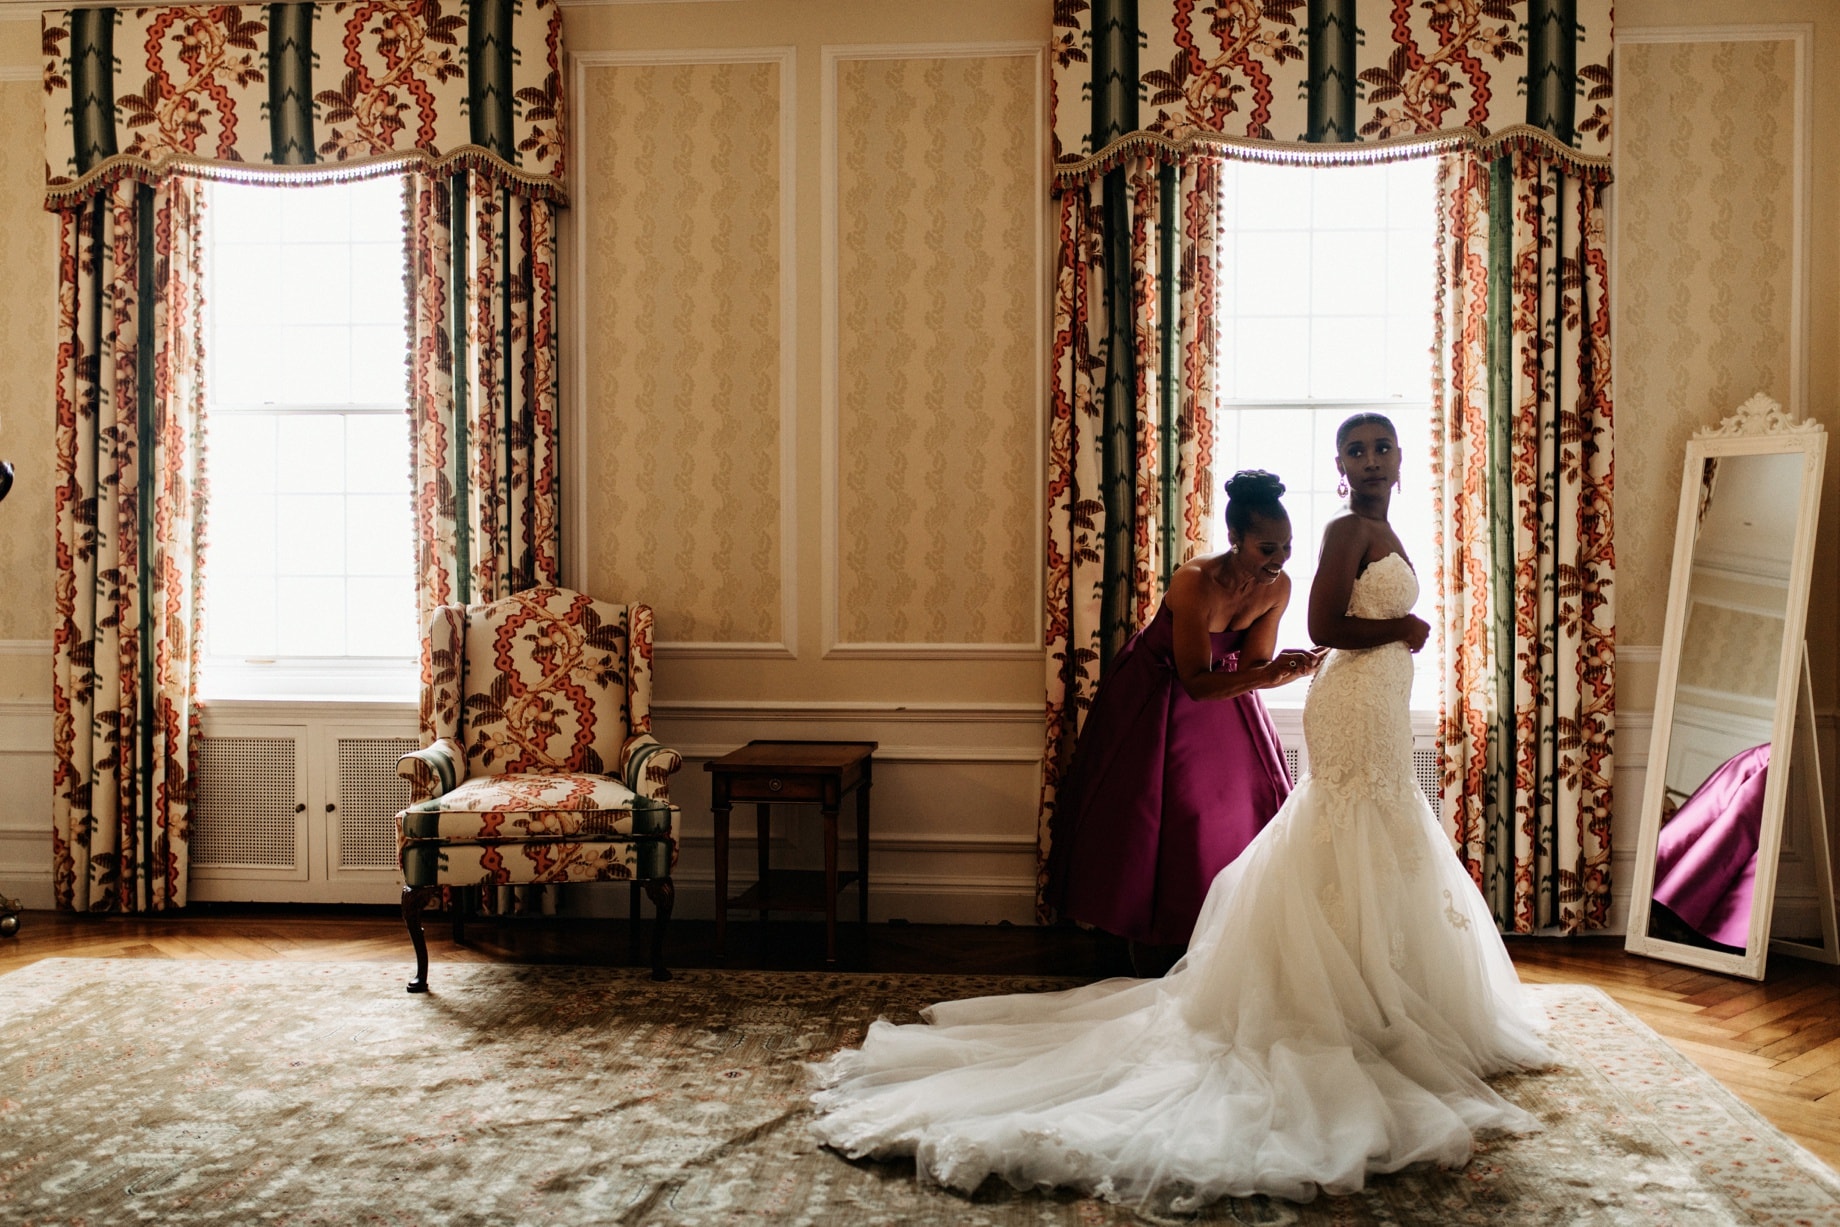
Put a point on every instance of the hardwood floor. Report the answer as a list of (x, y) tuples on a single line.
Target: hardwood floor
[(1774, 1044)]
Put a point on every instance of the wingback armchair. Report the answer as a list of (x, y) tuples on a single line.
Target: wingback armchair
[(541, 767)]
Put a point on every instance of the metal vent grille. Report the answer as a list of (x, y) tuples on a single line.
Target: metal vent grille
[(1428, 767), (247, 815), (370, 794), (1293, 762)]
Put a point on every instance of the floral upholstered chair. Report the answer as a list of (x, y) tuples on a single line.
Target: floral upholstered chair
[(542, 767)]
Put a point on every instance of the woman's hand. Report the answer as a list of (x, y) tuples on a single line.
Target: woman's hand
[(1291, 664), (1417, 631)]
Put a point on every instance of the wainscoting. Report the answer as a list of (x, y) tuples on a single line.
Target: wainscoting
[(953, 810)]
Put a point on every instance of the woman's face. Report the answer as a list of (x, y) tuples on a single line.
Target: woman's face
[(1265, 546), (1369, 459)]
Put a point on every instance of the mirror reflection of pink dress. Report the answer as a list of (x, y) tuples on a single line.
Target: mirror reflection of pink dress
[(1164, 792), (1343, 997)]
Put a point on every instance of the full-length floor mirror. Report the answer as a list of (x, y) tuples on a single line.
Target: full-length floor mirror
[(1733, 735)]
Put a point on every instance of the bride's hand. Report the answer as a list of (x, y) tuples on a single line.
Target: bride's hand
[(1417, 631)]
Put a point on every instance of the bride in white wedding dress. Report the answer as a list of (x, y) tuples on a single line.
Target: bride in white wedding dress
[(1343, 997)]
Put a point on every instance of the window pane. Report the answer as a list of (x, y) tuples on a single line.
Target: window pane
[(1350, 196), (1348, 272), (1408, 357), (377, 535), (377, 213), (243, 281), (1411, 194), (377, 455), (240, 458), (1348, 357), (1277, 197), (306, 337), (239, 614), (315, 365), (315, 286), (377, 292), (380, 615), (310, 617), (242, 542), (379, 366), (1273, 359), (243, 360), (1273, 276), (310, 534), (311, 453), (313, 214)]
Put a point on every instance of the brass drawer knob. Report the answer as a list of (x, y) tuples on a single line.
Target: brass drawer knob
[(774, 785)]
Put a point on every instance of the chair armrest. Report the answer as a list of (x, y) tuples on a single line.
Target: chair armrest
[(646, 766), (433, 770)]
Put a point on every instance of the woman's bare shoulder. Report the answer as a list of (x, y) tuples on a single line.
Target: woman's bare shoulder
[(1347, 531)]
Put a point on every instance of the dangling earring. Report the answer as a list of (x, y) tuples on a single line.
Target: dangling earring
[(1342, 487)]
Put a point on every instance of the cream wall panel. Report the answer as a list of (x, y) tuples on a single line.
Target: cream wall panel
[(28, 271), (936, 325), (682, 259), (1707, 273), (25, 802)]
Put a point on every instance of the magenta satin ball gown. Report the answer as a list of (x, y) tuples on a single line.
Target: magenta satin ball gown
[(1165, 791)]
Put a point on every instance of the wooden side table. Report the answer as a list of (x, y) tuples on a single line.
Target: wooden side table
[(767, 773)]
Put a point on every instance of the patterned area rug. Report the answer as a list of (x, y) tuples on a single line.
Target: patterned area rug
[(321, 1093)]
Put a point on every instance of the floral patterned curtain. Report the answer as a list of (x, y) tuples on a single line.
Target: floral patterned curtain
[(1130, 429), (1275, 77), (1522, 439), (141, 104), (244, 91), (129, 507), (482, 393)]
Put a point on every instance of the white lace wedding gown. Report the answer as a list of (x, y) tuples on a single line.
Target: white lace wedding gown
[(1342, 999)]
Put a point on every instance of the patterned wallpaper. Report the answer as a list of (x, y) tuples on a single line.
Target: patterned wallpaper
[(28, 271), (937, 320), (1736, 651), (679, 215), (1704, 204)]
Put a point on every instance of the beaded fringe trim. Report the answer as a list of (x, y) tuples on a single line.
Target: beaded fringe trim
[(68, 193), (1190, 142)]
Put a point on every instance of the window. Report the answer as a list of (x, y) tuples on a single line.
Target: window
[(309, 582), (1326, 309)]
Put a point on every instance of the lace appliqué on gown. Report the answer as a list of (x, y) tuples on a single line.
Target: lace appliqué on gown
[(1342, 1000)]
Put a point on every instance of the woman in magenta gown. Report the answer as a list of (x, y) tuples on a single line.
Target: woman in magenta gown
[(1178, 765)]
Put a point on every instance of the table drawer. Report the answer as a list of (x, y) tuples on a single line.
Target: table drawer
[(765, 786)]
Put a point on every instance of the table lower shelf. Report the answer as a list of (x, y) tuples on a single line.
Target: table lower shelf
[(791, 890)]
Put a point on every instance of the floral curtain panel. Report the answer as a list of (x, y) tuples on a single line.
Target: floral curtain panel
[(138, 92), (129, 508), (1522, 436), (483, 388), (1130, 429), (1264, 76)]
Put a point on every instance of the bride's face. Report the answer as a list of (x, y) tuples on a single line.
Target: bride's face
[(1369, 458)]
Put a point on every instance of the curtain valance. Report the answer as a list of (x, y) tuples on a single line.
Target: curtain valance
[(1277, 79), (240, 90)]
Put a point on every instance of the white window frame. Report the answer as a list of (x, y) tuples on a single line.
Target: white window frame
[(292, 679)]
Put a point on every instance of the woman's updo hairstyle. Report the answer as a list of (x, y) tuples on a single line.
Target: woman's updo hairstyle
[(1253, 494), (1364, 419)]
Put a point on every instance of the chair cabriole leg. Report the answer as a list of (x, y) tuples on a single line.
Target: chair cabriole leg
[(413, 898), (664, 894)]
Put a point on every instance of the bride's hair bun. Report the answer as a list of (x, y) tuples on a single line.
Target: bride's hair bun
[(1253, 493)]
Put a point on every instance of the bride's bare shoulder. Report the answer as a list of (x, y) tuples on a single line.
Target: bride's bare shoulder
[(1346, 532)]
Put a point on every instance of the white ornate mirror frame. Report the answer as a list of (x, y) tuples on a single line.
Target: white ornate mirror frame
[(1758, 428)]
